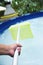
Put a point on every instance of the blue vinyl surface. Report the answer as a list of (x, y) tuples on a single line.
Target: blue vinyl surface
[(32, 50), (8, 23)]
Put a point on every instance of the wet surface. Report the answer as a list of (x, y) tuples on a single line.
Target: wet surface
[(32, 50)]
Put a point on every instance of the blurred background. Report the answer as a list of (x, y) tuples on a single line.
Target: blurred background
[(24, 6)]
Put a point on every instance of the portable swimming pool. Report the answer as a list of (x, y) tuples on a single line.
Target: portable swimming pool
[(32, 50)]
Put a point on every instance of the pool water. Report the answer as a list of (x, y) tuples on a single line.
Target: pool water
[(32, 50)]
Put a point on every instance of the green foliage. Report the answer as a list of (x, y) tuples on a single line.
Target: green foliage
[(26, 6), (2, 3), (1, 13)]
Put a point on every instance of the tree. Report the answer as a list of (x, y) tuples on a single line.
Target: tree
[(26, 6)]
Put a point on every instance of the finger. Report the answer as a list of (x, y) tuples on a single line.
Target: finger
[(12, 52), (19, 53), (19, 50), (19, 45)]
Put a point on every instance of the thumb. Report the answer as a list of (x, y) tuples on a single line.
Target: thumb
[(19, 45)]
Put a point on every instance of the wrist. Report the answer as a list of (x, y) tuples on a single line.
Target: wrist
[(7, 49), (4, 49)]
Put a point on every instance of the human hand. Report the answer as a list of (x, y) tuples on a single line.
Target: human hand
[(13, 47)]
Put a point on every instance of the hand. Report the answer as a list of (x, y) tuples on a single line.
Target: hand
[(13, 47)]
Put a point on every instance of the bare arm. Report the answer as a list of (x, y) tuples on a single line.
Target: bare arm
[(4, 49), (9, 49)]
